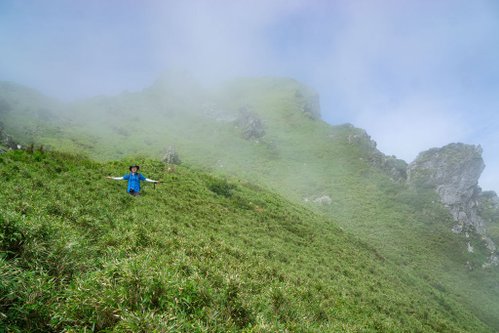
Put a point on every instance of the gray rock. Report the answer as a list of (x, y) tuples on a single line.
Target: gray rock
[(395, 168), (323, 200), (470, 248), (492, 261), (171, 156), (453, 172), (251, 125)]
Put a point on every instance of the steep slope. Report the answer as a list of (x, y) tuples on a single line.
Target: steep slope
[(198, 253), (267, 131), (29, 116)]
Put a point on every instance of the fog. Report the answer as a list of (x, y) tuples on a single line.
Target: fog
[(415, 74)]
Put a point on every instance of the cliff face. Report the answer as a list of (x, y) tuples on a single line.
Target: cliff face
[(453, 172)]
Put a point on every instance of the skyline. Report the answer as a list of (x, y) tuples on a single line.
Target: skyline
[(414, 74)]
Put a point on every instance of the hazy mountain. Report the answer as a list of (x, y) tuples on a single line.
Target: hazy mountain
[(268, 131)]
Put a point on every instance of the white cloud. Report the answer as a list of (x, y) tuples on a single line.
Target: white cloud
[(414, 125), (415, 74)]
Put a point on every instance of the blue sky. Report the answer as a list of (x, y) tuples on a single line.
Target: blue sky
[(415, 74)]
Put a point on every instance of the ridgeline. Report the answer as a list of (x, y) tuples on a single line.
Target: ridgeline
[(363, 241)]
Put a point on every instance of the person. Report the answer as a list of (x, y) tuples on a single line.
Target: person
[(134, 178)]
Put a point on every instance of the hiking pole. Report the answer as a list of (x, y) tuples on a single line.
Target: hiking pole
[(154, 184)]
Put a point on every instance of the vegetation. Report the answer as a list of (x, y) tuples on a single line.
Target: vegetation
[(490, 213), (196, 254), (299, 157)]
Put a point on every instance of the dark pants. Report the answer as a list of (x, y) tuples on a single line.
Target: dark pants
[(135, 194)]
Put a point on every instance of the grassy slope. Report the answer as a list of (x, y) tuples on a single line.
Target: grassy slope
[(298, 157), (196, 254)]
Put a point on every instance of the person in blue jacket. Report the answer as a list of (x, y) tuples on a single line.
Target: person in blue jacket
[(134, 178)]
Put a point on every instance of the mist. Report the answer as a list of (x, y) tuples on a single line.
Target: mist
[(414, 74)]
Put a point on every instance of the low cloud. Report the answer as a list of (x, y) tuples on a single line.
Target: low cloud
[(414, 74)]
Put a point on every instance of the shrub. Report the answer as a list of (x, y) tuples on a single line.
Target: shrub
[(221, 187), (11, 237)]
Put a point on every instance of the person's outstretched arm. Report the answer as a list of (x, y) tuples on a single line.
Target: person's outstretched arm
[(115, 178), (143, 178)]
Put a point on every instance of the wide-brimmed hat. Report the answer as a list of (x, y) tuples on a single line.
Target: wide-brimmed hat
[(134, 166)]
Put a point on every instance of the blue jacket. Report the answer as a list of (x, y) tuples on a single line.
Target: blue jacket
[(134, 181)]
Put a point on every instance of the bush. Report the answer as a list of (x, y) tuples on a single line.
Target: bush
[(221, 187), (11, 237)]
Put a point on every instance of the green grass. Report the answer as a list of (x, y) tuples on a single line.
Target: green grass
[(197, 254), (298, 158)]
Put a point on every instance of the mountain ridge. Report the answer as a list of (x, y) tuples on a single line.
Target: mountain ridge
[(299, 156)]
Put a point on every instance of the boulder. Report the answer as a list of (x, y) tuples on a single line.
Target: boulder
[(171, 156)]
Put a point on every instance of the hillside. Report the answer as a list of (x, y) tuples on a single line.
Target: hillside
[(198, 253), (267, 131)]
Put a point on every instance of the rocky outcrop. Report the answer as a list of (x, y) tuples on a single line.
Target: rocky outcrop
[(395, 168), (250, 124), (453, 172), (171, 156), (309, 103)]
